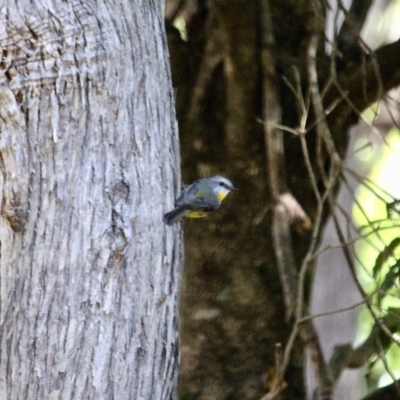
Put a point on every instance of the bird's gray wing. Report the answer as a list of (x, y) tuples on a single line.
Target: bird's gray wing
[(200, 198), (180, 201)]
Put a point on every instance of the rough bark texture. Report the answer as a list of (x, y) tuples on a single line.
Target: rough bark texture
[(232, 305), (88, 158)]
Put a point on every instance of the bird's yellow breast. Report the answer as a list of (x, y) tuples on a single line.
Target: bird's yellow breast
[(196, 214), (221, 195)]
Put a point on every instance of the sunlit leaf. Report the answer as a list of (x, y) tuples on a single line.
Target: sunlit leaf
[(387, 252), (389, 281), (393, 209)]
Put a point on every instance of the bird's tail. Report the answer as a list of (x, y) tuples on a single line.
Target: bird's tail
[(175, 215)]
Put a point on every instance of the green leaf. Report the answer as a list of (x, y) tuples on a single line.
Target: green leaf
[(387, 252), (389, 281), (393, 209)]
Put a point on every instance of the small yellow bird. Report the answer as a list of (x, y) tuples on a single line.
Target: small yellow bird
[(200, 198)]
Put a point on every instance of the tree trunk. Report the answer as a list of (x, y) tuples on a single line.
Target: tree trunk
[(89, 272)]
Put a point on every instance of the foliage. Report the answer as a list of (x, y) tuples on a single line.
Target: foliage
[(378, 250)]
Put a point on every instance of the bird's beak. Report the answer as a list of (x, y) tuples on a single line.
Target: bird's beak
[(233, 189)]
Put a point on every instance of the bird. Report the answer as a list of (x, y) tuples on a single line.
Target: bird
[(200, 198)]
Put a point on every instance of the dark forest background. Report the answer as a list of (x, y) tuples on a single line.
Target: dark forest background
[(265, 97)]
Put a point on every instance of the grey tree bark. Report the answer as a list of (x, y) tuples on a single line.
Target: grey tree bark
[(89, 272)]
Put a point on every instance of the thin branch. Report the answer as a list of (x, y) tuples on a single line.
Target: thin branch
[(364, 295), (356, 201), (354, 17), (307, 329), (275, 162), (369, 183), (311, 339), (387, 61), (277, 182), (322, 370), (344, 356), (382, 357), (348, 38), (338, 311)]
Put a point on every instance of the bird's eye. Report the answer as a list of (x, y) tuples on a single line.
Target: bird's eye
[(221, 184)]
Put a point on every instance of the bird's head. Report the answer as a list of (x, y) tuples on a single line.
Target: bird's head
[(222, 186)]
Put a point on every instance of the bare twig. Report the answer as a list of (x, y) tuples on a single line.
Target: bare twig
[(382, 356), (322, 371), (338, 311), (348, 38), (369, 184), (385, 61), (352, 268), (343, 101), (275, 163), (345, 356), (354, 17)]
